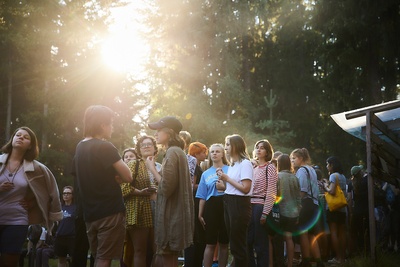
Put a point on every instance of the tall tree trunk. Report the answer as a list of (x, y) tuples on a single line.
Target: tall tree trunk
[(373, 87), (45, 115), (9, 100), (246, 63)]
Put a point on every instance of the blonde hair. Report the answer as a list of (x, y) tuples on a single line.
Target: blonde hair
[(186, 137), (303, 154), (225, 161)]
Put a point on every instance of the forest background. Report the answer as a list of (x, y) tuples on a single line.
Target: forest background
[(271, 70)]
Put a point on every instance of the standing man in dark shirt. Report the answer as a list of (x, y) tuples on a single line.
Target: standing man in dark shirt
[(96, 163)]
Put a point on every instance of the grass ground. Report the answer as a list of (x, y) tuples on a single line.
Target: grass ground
[(53, 263), (383, 259)]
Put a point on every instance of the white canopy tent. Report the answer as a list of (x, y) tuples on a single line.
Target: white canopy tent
[(379, 127)]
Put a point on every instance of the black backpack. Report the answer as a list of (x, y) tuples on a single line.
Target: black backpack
[(34, 233)]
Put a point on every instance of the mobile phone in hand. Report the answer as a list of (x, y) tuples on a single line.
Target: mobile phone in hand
[(151, 189)]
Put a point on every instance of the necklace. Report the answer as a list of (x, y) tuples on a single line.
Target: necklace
[(12, 174)]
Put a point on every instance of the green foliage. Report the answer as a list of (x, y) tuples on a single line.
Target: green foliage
[(60, 164), (280, 132), (358, 52), (212, 64)]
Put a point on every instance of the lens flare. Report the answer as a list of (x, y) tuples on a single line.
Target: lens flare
[(310, 223), (304, 227)]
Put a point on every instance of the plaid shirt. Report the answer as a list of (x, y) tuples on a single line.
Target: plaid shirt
[(138, 208)]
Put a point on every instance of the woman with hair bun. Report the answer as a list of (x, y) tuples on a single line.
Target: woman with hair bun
[(310, 211), (336, 219)]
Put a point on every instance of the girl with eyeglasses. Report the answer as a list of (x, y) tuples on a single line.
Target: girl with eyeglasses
[(140, 196), (65, 235)]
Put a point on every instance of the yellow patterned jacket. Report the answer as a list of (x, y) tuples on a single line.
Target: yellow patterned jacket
[(138, 208)]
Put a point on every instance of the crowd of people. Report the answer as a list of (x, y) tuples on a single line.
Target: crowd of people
[(201, 202)]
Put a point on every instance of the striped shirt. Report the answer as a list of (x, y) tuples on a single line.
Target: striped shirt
[(264, 191), (259, 185)]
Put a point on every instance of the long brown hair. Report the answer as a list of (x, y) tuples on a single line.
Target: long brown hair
[(284, 163), (238, 146), (32, 153), (268, 148), (174, 138)]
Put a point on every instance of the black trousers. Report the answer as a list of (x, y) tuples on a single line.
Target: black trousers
[(237, 211), (81, 247)]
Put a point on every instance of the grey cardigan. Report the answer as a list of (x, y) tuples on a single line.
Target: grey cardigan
[(174, 219)]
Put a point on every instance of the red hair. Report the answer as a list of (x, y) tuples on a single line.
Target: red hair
[(196, 148)]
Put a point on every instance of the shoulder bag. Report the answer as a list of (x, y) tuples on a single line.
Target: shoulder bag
[(338, 200), (274, 216)]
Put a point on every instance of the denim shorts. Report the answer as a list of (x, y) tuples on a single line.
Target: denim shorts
[(337, 217)]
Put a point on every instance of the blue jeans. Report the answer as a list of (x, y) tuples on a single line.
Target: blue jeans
[(257, 239), (237, 210)]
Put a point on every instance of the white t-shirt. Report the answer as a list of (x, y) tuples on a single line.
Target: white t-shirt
[(153, 182), (44, 234), (240, 171)]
